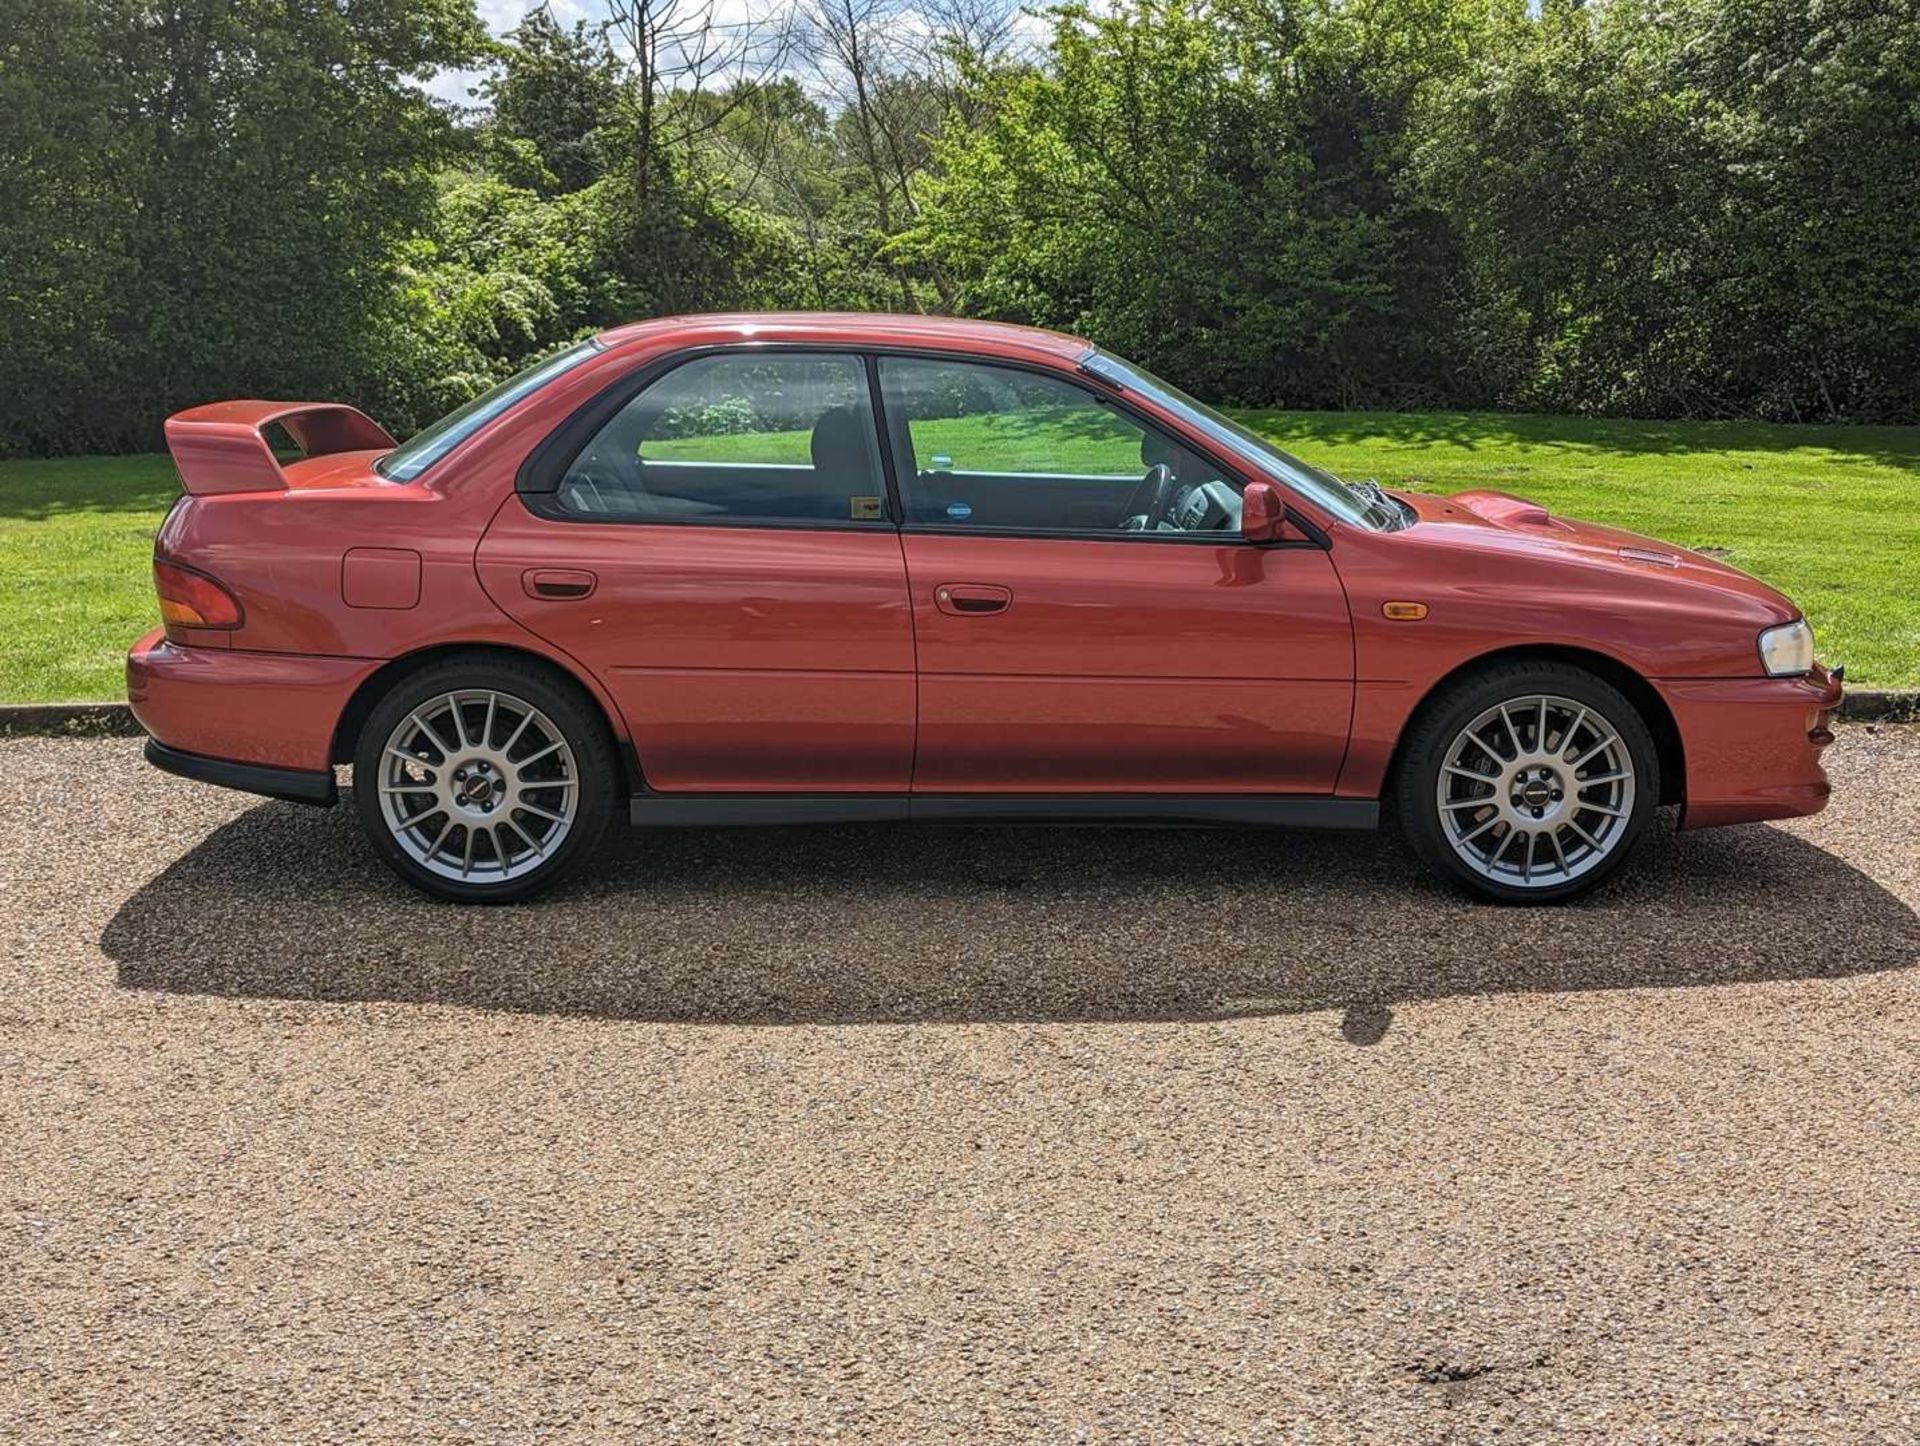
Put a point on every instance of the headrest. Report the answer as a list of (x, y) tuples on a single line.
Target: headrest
[(1156, 450), (843, 445)]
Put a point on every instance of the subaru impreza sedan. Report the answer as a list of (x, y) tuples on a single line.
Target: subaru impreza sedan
[(774, 569)]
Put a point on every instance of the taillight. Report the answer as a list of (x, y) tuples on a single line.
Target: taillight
[(190, 599)]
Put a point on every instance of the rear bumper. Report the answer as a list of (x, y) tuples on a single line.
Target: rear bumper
[(266, 711), (1752, 745), (291, 784)]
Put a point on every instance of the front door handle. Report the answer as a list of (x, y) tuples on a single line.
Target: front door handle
[(971, 599), (558, 582)]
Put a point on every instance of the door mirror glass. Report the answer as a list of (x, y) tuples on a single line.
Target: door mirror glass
[(1263, 516)]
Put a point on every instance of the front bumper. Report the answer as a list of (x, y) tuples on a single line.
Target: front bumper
[(1752, 745), (251, 715)]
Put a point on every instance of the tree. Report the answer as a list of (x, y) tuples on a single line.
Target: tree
[(1701, 208), (1667, 207), (258, 165), (558, 90), (1217, 191), (1583, 185), (675, 49), (1813, 110)]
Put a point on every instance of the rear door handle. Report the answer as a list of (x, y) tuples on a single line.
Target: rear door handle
[(970, 599), (558, 582)]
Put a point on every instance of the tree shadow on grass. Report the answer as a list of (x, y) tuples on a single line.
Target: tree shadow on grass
[(893, 924), (41, 489)]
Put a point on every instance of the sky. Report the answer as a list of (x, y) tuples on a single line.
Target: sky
[(503, 15)]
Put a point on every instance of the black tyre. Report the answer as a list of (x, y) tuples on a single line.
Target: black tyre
[(1527, 782), (484, 779)]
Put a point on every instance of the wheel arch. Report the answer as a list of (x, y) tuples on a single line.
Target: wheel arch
[(346, 732), (1638, 691)]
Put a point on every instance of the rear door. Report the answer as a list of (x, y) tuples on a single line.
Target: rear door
[(1062, 648), (721, 555)]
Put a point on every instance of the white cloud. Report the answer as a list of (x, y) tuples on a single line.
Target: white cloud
[(501, 16)]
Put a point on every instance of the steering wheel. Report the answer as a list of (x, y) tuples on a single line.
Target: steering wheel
[(1150, 499)]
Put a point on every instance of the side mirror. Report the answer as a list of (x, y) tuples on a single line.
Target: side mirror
[(1263, 516)]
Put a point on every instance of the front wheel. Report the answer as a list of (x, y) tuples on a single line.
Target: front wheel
[(483, 780), (1528, 782)]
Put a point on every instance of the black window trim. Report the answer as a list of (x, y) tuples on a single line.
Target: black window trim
[(889, 468), (539, 476)]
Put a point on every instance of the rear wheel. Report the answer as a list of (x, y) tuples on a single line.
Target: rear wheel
[(1528, 782), (483, 780)]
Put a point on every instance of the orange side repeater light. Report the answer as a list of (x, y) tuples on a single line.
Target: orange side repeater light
[(1403, 612)]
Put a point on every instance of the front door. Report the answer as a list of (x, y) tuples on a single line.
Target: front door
[(721, 556), (1082, 627)]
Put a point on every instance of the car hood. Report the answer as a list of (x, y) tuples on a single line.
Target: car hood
[(1500, 521)]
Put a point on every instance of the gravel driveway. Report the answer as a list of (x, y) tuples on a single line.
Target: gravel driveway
[(968, 1135)]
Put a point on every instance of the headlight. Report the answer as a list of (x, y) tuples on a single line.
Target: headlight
[(1787, 651)]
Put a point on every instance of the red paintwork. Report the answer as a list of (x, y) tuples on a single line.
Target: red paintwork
[(1748, 754), (222, 447), (745, 659), (758, 659), (380, 577), (1494, 585), (1131, 667), (272, 708), (1262, 512)]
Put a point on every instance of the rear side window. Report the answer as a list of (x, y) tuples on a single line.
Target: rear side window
[(738, 439), (425, 447)]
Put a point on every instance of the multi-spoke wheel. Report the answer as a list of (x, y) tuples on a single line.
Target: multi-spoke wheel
[(478, 785), (482, 780), (1529, 782)]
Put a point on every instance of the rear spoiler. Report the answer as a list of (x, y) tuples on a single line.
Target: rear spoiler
[(222, 447)]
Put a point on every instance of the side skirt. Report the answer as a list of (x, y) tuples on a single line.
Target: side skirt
[(714, 810)]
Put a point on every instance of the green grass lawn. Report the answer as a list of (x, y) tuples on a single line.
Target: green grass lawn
[(1047, 439), (1827, 514), (76, 571)]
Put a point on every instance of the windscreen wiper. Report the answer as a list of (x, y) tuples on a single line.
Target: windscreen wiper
[(1378, 501)]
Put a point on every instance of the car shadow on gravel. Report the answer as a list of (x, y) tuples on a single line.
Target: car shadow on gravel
[(897, 924)]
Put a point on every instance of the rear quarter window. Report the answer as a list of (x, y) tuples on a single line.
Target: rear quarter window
[(429, 445)]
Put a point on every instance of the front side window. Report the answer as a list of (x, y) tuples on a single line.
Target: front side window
[(983, 448), (1369, 509), (425, 447), (738, 438)]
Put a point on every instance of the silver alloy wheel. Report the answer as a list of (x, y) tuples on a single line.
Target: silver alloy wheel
[(479, 786), (1536, 791)]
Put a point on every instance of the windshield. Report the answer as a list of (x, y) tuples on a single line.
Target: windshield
[(425, 447), (1344, 502)]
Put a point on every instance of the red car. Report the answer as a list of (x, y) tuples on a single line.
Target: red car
[(771, 569)]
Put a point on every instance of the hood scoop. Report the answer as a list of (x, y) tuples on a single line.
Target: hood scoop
[(1503, 509), (1650, 556)]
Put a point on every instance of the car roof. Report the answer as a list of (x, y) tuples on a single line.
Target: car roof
[(848, 328)]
